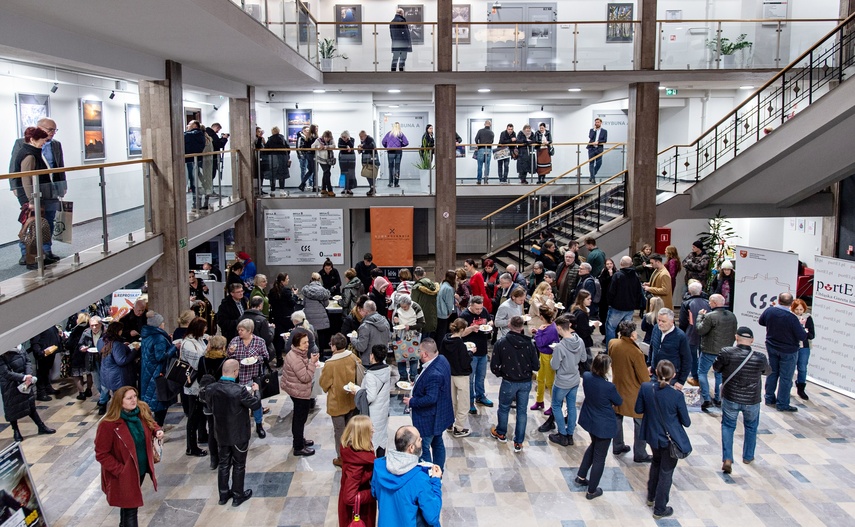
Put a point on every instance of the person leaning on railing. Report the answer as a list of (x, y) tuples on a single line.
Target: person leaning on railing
[(526, 161), (29, 158)]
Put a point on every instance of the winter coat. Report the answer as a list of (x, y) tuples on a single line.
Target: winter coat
[(324, 156), (373, 331), (399, 31), (278, 160), (405, 492), (228, 316), (315, 301), (660, 285), (265, 307), (157, 349), (629, 372), (697, 266), (673, 347), (194, 143), (297, 374), (668, 407), (377, 384), (392, 141), (281, 308), (72, 346), (349, 294), (524, 161), (230, 404), (694, 305), (313, 337), (14, 366), (117, 368), (339, 370), (424, 294), (746, 386), (640, 262), (117, 454), (356, 471), (717, 329), (597, 415), (625, 290), (432, 409), (346, 160)]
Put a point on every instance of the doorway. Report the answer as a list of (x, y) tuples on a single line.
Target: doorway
[(528, 46)]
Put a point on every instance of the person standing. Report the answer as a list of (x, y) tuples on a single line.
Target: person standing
[(445, 310), (231, 310), (543, 139), (374, 330), (673, 265), (799, 308), (716, 329), (44, 347), (596, 256), (483, 154), (689, 310), (477, 285), (347, 162), (230, 404), (194, 143), (402, 43), (395, 141), (430, 401), (377, 385), (326, 158), (368, 151), (724, 283), (624, 296), (545, 336), (363, 270), (629, 372), (156, 350), (567, 275), (660, 281), (16, 369), (475, 317), (279, 162), (508, 309), (193, 348), (245, 346), (338, 371), (357, 469), (507, 139), (566, 357), (297, 376), (697, 264), (219, 143), (424, 294), (597, 138), (456, 352), (124, 448), (515, 360), (784, 335), (665, 419), (668, 342), (527, 160), (306, 156)]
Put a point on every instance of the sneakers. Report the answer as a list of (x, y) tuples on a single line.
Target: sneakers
[(536, 406), (473, 410), (461, 433), (727, 466), (501, 438), (705, 407), (667, 512), (517, 448), (485, 402), (560, 439)]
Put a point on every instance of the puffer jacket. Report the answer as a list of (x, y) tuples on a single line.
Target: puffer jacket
[(14, 366), (315, 301), (745, 387), (717, 329), (117, 368), (377, 383), (424, 294), (374, 330), (297, 375), (349, 294), (157, 349)]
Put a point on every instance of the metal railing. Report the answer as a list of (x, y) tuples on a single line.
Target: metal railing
[(803, 81), (207, 167)]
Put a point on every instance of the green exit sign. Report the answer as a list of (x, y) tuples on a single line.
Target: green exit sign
[(182, 243), (670, 91)]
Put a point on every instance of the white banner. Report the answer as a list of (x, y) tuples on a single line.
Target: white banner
[(303, 237), (833, 311), (761, 275), (123, 302)]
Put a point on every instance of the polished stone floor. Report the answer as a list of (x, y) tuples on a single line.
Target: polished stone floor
[(804, 474)]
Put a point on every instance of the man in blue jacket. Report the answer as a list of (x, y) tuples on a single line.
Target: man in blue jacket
[(432, 409), (405, 489), (784, 333), (668, 342)]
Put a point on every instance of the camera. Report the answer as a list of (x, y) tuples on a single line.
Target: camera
[(271, 94)]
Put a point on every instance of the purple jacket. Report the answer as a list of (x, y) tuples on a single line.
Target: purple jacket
[(393, 141), (545, 337)]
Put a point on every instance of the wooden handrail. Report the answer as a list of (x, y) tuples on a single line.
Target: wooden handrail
[(594, 22), (75, 168), (551, 181), (577, 196), (212, 153), (417, 148)]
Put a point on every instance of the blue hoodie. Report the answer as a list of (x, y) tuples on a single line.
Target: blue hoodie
[(402, 488)]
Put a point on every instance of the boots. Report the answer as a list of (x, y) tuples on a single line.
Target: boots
[(43, 428), (128, 518), (259, 429), (800, 386), (16, 433), (396, 179), (41, 394), (548, 425)]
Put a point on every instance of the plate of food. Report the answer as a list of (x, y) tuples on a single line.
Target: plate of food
[(486, 328), (249, 361), (336, 298), (404, 385), (92, 350), (471, 346), (399, 327), (553, 345), (559, 305), (594, 323), (352, 334), (351, 387), (526, 318), (107, 319), (286, 335)]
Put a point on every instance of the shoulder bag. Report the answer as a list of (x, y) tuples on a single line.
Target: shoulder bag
[(180, 372), (268, 382), (732, 375), (156, 449), (675, 451), (356, 521)]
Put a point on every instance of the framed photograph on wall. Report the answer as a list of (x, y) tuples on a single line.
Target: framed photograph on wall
[(460, 14), (348, 29), (415, 14), (619, 28), (93, 129), (534, 122), (134, 128), (673, 15), (31, 108), (474, 126), (295, 120)]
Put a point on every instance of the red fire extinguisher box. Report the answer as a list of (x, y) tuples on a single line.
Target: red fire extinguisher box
[(663, 239)]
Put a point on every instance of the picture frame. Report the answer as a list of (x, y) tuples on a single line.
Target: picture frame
[(476, 124), (31, 108), (534, 122), (348, 29), (810, 228), (295, 120), (415, 15), (461, 14), (620, 27), (92, 119), (133, 126), (673, 15)]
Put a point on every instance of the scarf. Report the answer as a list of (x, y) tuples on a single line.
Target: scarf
[(135, 426)]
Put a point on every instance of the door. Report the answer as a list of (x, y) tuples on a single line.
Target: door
[(523, 37)]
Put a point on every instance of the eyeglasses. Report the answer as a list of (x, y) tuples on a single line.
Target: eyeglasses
[(51, 129)]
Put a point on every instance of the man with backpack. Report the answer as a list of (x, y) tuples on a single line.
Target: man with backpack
[(590, 283)]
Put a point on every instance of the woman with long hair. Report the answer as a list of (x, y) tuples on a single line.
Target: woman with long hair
[(541, 297), (545, 335), (648, 321), (234, 276), (582, 325), (297, 377), (326, 158), (117, 361), (124, 448), (543, 139), (799, 308), (395, 140), (605, 283), (281, 299), (193, 349), (357, 467), (445, 311), (673, 265)]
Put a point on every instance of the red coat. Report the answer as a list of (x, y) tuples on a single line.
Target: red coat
[(476, 284), (120, 475), (356, 471)]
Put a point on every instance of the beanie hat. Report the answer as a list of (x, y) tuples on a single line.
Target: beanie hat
[(727, 264), (699, 244), (243, 256), (154, 319)]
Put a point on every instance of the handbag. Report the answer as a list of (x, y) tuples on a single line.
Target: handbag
[(180, 372), (63, 222), (165, 390), (156, 449), (369, 171), (356, 521), (673, 449), (268, 383)]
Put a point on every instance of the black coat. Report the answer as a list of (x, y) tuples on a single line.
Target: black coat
[(400, 33), (281, 307), (77, 358), (133, 322), (47, 338), (347, 160), (233, 278), (228, 316), (230, 403), (14, 366), (278, 161), (524, 162)]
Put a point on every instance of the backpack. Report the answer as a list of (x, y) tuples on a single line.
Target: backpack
[(598, 294)]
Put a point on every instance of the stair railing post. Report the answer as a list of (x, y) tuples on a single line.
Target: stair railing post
[(599, 200)]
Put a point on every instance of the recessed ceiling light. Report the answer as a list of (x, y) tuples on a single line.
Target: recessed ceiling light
[(662, 87), (394, 106), (319, 91), (394, 90), (575, 89), (483, 90), (746, 87)]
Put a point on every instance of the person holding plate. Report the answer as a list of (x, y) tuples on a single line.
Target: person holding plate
[(297, 376), (459, 356), (338, 371), (477, 317), (409, 321), (249, 350)]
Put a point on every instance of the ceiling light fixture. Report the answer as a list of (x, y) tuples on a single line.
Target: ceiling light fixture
[(394, 106), (394, 90), (319, 91), (112, 95), (575, 89), (662, 87), (746, 87), (483, 90), (55, 87)]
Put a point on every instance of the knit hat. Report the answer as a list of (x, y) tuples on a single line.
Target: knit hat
[(243, 256), (727, 264), (154, 319), (699, 244), (745, 332)]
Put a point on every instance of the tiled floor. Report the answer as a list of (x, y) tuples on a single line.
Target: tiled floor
[(804, 474)]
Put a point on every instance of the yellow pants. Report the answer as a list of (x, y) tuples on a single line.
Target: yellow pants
[(545, 376)]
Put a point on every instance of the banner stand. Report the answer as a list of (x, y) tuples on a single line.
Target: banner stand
[(20, 505)]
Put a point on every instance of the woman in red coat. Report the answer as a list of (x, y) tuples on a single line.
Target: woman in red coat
[(123, 446), (357, 466)]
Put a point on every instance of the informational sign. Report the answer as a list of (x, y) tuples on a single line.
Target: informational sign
[(203, 258), (833, 312), (303, 237), (123, 302), (761, 275), (392, 236), (19, 502)]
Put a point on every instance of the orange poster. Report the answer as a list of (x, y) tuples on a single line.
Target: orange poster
[(392, 236)]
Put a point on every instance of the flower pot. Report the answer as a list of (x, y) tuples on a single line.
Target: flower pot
[(326, 64), (728, 61)]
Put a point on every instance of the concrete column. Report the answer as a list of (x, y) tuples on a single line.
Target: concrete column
[(644, 56), (242, 127), (641, 160), (162, 119), (445, 97), (444, 44)]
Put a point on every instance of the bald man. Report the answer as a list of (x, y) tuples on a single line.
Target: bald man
[(624, 296)]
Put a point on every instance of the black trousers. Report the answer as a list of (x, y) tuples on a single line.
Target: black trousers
[(302, 407), (195, 421), (659, 481), (213, 444), (232, 463), (160, 417), (639, 445), (34, 415), (43, 367), (595, 461)]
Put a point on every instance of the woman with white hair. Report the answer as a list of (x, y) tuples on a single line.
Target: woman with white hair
[(409, 321), (315, 301), (302, 325)]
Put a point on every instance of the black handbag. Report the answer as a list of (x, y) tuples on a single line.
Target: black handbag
[(166, 391), (180, 372), (673, 449), (268, 381)]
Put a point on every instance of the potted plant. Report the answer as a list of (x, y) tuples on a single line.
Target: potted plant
[(327, 52), (425, 166), (716, 244), (728, 48)]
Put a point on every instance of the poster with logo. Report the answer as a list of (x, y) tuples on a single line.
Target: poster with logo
[(392, 236), (833, 312), (761, 275), (123, 302), (19, 502), (303, 237)]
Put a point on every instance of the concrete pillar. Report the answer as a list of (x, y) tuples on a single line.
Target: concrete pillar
[(445, 97), (162, 119), (641, 159), (242, 127), (645, 43), (444, 44)]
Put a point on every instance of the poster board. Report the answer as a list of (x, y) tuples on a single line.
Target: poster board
[(123, 302), (461, 14), (20, 505), (348, 28), (474, 126), (761, 275), (303, 237), (392, 236), (415, 15), (620, 27), (134, 128)]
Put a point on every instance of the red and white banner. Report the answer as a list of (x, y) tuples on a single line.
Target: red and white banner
[(832, 360)]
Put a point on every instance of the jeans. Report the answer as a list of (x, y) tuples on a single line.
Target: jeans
[(399, 58), (559, 396), (504, 165), (476, 379), (414, 369), (783, 366), (103, 393), (596, 163), (191, 175), (704, 364), (394, 160), (615, 317), (258, 415), (510, 392), (433, 450), (661, 476), (483, 156), (594, 460), (750, 419), (639, 445), (326, 184), (801, 365), (232, 463), (302, 407), (695, 351), (307, 171)]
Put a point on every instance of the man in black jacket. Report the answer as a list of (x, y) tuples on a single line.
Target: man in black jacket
[(219, 143), (624, 297), (515, 359), (44, 348), (741, 369), (230, 403), (134, 321), (230, 311)]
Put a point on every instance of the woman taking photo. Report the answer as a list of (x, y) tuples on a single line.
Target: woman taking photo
[(16, 369), (347, 162), (193, 349), (296, 381), (664, 417), (123, 447), (326, 158), (598, 418), (357, 467), (395, 140)]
